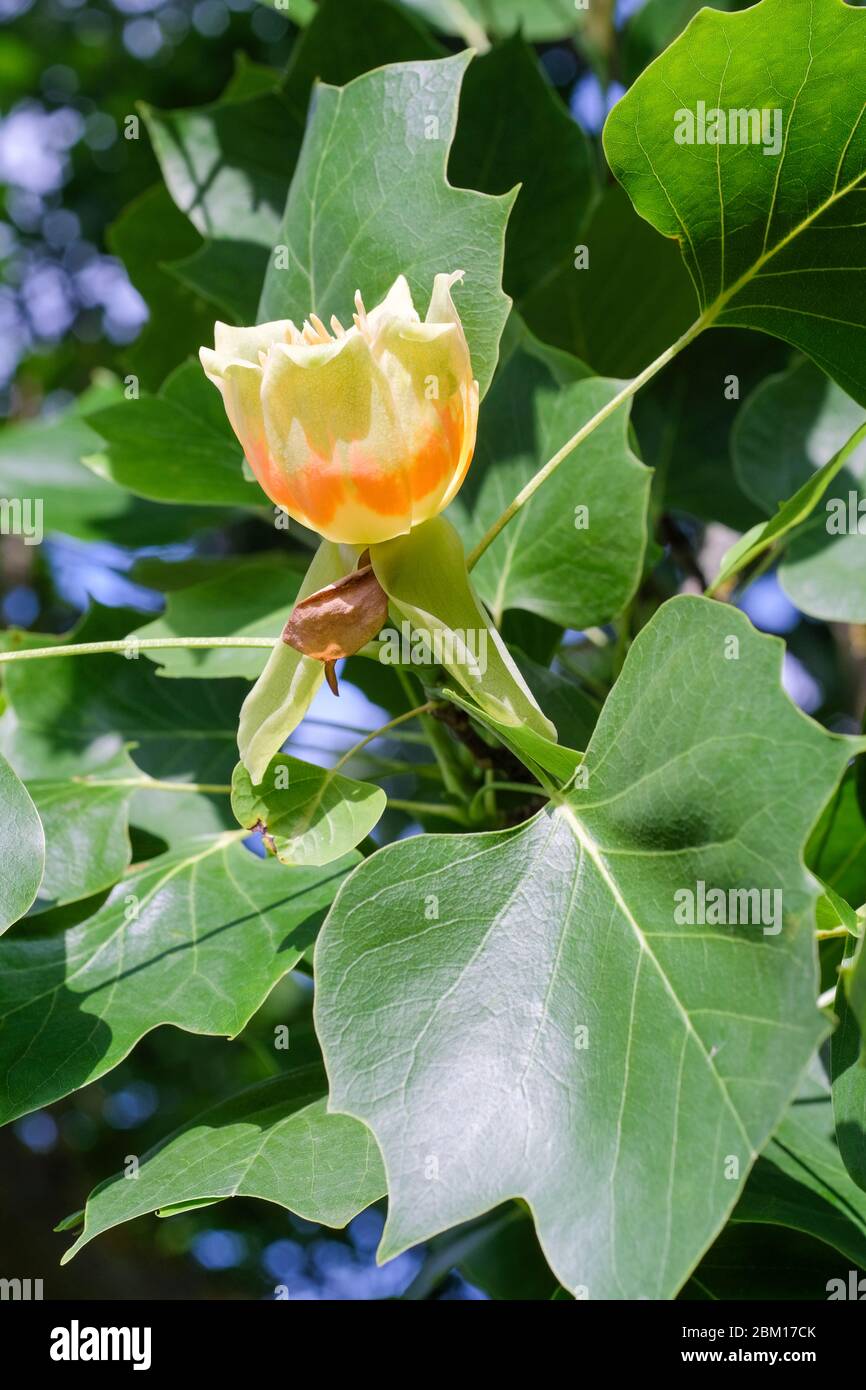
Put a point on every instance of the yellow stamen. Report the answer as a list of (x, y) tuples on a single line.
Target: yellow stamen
[(338, 329), (320, 328)]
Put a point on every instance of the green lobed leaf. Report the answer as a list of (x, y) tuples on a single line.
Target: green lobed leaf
[(307, 814), (229, 164), (250, 79), (68, 709), (631, 301), (251, 598), (225, 165), (800, 1181), (229, 275), (836, 851), (833, 911), (824, 572), (788, 428), (40, 459), (424, 575), (771, 242), (347, 38), (847, 1053), (574, 555), (196, 938), (169, 575), (86, 822), (684, 421), (71, 716), (697, 1035), (41, 463), (586, 272), (797, 1184), (22, 850), (797, 515), (345, 226), (274, 1141), (174, 447), (510, 113), (656, 24)]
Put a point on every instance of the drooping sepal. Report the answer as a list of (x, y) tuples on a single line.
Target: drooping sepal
[(424, 575), (284, 691)]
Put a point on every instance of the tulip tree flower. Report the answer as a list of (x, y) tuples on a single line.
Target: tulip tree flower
[(363, 434), (360, 434)]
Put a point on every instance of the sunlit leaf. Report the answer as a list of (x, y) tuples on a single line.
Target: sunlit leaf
[(396, 125), (307, 814), (509, 110), (625, 1086), (250, 599), (768, 224), (86, 821), (22, 850), (575, 553), (274, 1141), (196, 938)]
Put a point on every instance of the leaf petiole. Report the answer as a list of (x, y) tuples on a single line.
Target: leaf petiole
[(629, 389), (132, 644), (429, 808), (384, 729), (154, 784), (530, 788)]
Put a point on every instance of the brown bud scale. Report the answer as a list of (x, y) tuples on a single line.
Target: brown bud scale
[(338, 620)]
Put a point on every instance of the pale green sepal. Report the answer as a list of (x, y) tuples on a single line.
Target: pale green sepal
[(424, 575), (284, 691)]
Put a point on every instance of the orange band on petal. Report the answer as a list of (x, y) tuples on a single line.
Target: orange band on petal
[(271, 478), (440, 454), (433, 462), (383, 490), (323, 488)]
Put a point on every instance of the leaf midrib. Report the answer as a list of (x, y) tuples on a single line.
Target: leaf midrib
[(589, 847), (219, 845), (713, 311)]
